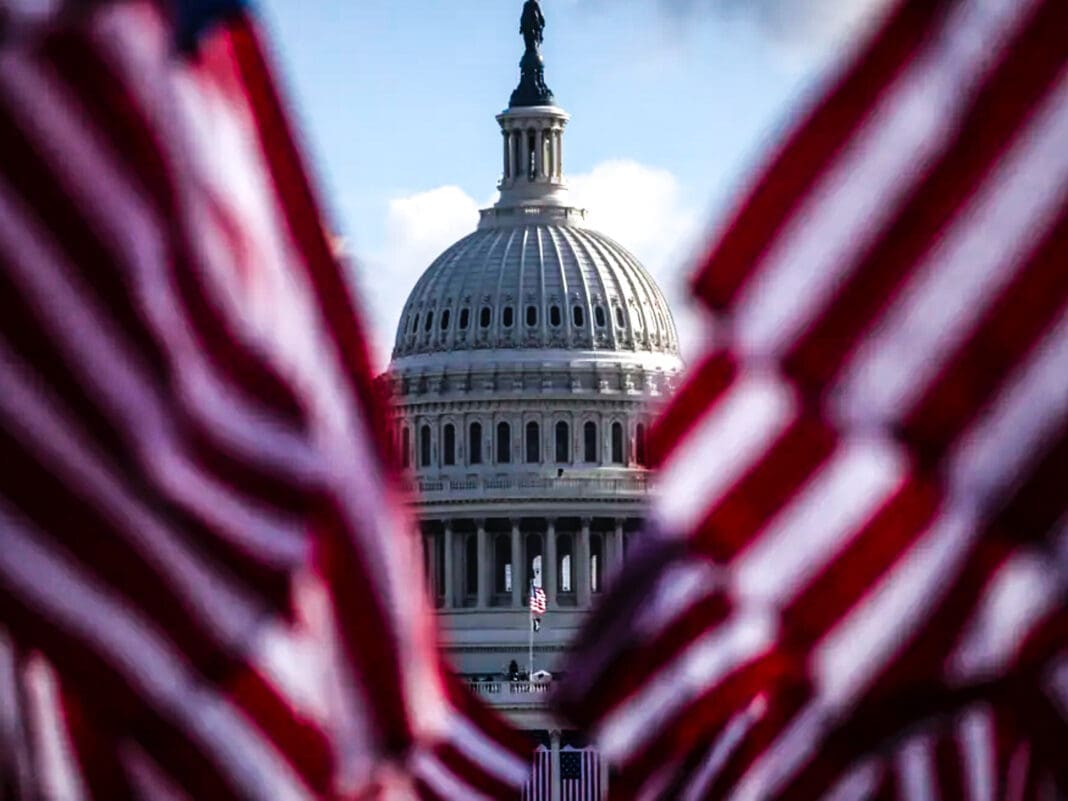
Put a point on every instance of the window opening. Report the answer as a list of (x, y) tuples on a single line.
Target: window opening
[(598, 314), (504, 443), (424, 446), (589, 442), (563, 440), (474, 444), (465, 316), (444, 319), (507, 317), (533, 443), (532, 316), (578, 317), (617, 443), (484, 317), (554, 316), (449, 444)]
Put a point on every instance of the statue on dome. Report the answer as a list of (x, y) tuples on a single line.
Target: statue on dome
[(532, 90), (531, 24)]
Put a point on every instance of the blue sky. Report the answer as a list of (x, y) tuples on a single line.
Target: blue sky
[(673, 103)]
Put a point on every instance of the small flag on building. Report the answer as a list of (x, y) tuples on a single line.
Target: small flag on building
[(537, 601)]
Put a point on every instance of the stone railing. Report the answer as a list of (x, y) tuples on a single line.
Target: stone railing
[(494, 487), (510, 692)]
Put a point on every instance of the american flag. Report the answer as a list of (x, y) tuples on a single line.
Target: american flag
[(537, 600), (201, 544), (580, 774), (538, 787), (860, 529)]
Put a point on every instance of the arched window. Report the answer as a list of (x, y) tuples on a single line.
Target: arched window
[(504, 443), (484, 317), (448, 450), (533, 443), (506, 317), (565, 561), (617, 443), (532, 316), (424, 446), (596, 562), (406, 447), (563, 443), (621, 321), (471, 566), (639, 444), (502, 563), (444, 319), (598, 314), (465, 318), (589, 442), (577, 317), (554, 316), (474, 444)]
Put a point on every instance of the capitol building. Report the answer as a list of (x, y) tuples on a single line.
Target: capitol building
[(529, 358)]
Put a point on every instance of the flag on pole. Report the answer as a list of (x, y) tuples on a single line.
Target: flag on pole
[(188, 435), (537, 600), (859, 479)]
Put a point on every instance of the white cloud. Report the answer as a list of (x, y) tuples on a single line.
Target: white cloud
[(799, 27), (639, 206)]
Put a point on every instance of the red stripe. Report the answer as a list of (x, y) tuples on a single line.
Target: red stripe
[(363, 622), (487, 720), (785, 468), (473, 774), (993, 124), (980, 367), (833, 592), (697, 397), (95, 749), (949, 767), (806, 155)]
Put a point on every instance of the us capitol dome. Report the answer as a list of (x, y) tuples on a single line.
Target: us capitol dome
[(528, 360)]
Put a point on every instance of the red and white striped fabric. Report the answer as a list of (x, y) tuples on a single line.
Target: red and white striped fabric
[(198, 527), (538, 787), (537, 601), (859, 498)]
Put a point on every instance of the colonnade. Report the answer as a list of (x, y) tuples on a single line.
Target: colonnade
[(490, 563), (536, 153)]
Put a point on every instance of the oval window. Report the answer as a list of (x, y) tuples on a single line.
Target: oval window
[(484, 317), (577, 316), (415, 323), (429, 321), (465, 316), (506, 317), (598, 314), (532, 316), (621, 321), (554, 316), (444, 319)]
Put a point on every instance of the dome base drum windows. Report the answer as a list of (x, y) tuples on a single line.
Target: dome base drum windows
[(448, 450), (474, 444), (563, 443), (504, 443), (589, 442), (533, 436)]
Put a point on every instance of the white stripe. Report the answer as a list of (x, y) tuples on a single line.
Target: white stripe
[(485, 752), (818, 522), (1019, 596), (858, 195), (779, 763), (707, 660), (729, 439), (56, 769), (1003, 441), (148, 779), (445, 783), (963, 274), (858, 784), (881, 623), (977, 745), (157, 673), (915, 763), (678, 588), (723, 748)]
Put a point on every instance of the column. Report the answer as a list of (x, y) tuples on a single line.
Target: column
[(517, 560), (507, 141), (582, 564), (548, 566), (557, 166), (539, 154), (447, 604), (513, 155), (554, 765), (484, 571), (560, 152)]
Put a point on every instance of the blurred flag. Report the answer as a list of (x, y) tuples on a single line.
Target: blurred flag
[(580, 774), (861, 527), (198, 528)]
